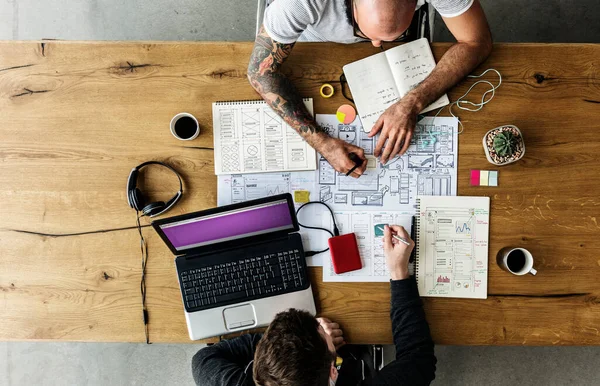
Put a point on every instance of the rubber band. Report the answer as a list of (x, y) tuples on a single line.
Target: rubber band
[(328, 87)]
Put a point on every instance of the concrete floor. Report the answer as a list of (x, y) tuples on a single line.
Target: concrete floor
[(131, 364)]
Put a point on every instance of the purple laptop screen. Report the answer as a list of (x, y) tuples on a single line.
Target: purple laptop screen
[(231, 225)]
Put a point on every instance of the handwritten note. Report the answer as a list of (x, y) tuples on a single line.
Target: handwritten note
[(380, 80)]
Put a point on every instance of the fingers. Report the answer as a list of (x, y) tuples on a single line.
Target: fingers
[(376, 127), (361, 154), (338, 342), (400, 231), (407, 139), (380, 142), (322, 320), (389, 146), (397, 148), (387, 238)]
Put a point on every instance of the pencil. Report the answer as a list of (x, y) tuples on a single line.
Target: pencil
[(401, 239)]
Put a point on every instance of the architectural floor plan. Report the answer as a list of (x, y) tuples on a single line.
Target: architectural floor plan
[(427, 168)]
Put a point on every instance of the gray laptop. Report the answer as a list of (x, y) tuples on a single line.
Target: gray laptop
[(238, 265)]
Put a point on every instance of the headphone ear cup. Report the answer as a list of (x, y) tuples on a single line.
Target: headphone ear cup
[(153, 208), (137, 199)]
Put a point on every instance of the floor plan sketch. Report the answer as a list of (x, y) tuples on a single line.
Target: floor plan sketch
[(428, 168), (250, 137), (365, 225)]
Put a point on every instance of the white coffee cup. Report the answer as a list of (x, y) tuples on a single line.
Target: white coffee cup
[(185, 132), (518, 261)]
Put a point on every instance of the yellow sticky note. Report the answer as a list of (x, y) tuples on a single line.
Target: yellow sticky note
[(301, 196), (340, 116), (483, 178)]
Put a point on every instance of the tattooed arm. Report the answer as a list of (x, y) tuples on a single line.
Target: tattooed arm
[(278, 91)]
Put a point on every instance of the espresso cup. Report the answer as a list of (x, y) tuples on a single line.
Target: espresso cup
[(518, 261), (184, 126)]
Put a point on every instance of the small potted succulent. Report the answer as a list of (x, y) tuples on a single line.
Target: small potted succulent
[(504, 145)]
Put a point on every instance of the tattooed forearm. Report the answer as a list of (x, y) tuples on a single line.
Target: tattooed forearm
[(277, 90)]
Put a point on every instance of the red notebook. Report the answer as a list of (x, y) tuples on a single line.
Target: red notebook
[(344, 253)]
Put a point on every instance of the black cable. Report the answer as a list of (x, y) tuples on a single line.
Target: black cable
[(144, 250), (336, 231)]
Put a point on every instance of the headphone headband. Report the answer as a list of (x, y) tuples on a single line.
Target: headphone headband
[(134, 194)]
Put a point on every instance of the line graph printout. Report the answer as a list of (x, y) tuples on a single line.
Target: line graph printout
[(369, 237), (250, 137), (452, 238), (428, 168)]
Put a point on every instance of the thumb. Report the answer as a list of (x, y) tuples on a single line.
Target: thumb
[(387, 238)]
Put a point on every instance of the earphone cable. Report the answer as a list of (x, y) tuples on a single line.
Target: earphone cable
[(144, 251)]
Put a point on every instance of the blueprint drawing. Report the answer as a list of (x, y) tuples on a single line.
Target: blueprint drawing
[(427, 168)]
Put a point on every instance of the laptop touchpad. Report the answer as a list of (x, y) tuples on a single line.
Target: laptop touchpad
[(239, 316)]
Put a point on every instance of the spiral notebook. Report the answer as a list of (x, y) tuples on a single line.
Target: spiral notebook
[(250, 137), (451, 251)]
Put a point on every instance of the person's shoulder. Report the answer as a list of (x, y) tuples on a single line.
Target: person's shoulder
[(450, 8), (305, 5)]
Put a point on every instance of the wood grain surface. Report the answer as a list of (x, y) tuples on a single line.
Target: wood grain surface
[(76, 117)]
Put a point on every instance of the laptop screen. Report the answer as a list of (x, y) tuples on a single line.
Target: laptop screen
[(231, 225)]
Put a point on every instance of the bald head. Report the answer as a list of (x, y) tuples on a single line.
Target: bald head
[(383, 20)]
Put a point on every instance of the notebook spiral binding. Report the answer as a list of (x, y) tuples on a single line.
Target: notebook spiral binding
[(246, 102), (417, 233)]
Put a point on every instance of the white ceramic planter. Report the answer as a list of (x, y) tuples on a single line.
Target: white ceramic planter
[(487, 152)]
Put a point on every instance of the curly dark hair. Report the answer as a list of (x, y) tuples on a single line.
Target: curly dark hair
[(292, 352)]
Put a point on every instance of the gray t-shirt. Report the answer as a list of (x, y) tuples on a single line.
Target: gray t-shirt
[(288, 21)]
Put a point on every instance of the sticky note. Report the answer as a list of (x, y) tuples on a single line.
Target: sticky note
[(493, 178), (346, 114), (475, 177), (483, 178), (301, 196)]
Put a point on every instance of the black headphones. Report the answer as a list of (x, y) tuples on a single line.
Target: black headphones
[(136, 199)]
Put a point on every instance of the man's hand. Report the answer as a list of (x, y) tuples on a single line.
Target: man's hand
[(333, 330), (396, 125), (336, 152), (396, 252)]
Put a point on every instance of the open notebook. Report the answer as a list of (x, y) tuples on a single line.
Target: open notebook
[(452, 246), (380, 80)]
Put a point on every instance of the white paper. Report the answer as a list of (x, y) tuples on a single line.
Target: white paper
[(380, 80), (370, 243), (428, 168), (249, 137), (236, 188), (452, 258)]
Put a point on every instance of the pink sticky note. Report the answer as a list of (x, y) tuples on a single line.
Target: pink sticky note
[(475, 177)]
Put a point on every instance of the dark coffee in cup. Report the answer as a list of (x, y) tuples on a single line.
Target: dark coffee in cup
[(185, 127), (516, 260)]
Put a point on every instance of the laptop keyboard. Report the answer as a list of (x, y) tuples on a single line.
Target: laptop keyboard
[(244, 279)]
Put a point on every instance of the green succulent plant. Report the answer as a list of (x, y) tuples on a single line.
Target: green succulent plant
[(505, 143)]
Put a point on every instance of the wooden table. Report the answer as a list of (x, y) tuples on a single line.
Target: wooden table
[(76, 117)]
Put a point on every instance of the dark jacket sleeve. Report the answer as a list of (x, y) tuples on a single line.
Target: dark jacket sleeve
[(225, 363), (415, 360)]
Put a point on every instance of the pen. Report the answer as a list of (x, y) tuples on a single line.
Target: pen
[(401, 239)]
